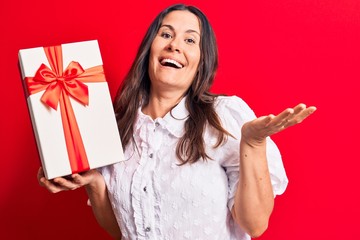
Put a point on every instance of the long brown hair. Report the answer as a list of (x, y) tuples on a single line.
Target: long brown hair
[(135, 90)]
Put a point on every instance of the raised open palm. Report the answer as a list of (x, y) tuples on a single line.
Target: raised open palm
[(256, 131)]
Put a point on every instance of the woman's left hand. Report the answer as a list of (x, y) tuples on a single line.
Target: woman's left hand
[(71, 183), (255, 132)]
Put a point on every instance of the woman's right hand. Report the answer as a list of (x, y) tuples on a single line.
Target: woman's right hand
[(64, 184)]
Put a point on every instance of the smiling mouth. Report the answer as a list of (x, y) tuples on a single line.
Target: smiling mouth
[(167, 62)]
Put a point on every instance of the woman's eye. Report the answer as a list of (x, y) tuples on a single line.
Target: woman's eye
[(190, 41), (165, 35)]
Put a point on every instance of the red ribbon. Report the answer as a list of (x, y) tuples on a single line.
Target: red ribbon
[(59, 85)]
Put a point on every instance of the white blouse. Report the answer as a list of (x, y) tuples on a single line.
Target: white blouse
[(155, 198)]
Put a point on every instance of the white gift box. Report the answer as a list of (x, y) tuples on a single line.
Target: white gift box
[(96, 121)]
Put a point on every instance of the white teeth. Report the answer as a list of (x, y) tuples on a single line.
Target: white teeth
[(167, 60)]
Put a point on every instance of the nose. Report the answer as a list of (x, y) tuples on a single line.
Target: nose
[(174, 45)]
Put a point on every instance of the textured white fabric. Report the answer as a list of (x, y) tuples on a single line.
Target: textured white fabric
[(154, 198)]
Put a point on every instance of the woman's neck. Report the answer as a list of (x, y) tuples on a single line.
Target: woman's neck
[(160, 104)]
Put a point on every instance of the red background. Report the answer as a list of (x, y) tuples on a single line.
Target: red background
[(273, 54)]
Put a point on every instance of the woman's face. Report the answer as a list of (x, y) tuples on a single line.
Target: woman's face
[(175, 52)]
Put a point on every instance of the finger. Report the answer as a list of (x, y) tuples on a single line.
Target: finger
[(46, 183), (66, 184), (293, 118), (51, 187), (78, 179), (287, 120), (84, 178), (41, 177), (281, 118), (288, 117), (312, 109), (305, 113), (301, 115), (299, 108), (266, 119)]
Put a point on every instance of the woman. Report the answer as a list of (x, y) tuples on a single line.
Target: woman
[(199, 166)]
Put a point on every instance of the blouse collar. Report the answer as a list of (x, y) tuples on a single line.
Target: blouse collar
[(173, 121)]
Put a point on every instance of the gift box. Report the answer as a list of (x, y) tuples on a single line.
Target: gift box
[(70, 108)]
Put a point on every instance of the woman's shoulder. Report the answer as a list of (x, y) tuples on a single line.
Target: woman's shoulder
[(233, 107), (229, 100)]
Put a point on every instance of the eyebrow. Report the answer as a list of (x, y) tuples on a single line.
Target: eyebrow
[(172, 29)]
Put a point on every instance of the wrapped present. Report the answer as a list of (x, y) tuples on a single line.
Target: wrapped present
[(70, 107)]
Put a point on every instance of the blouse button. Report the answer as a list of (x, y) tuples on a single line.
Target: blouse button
[(151, 155), (148, 229), (157, 124), (144, 189)]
